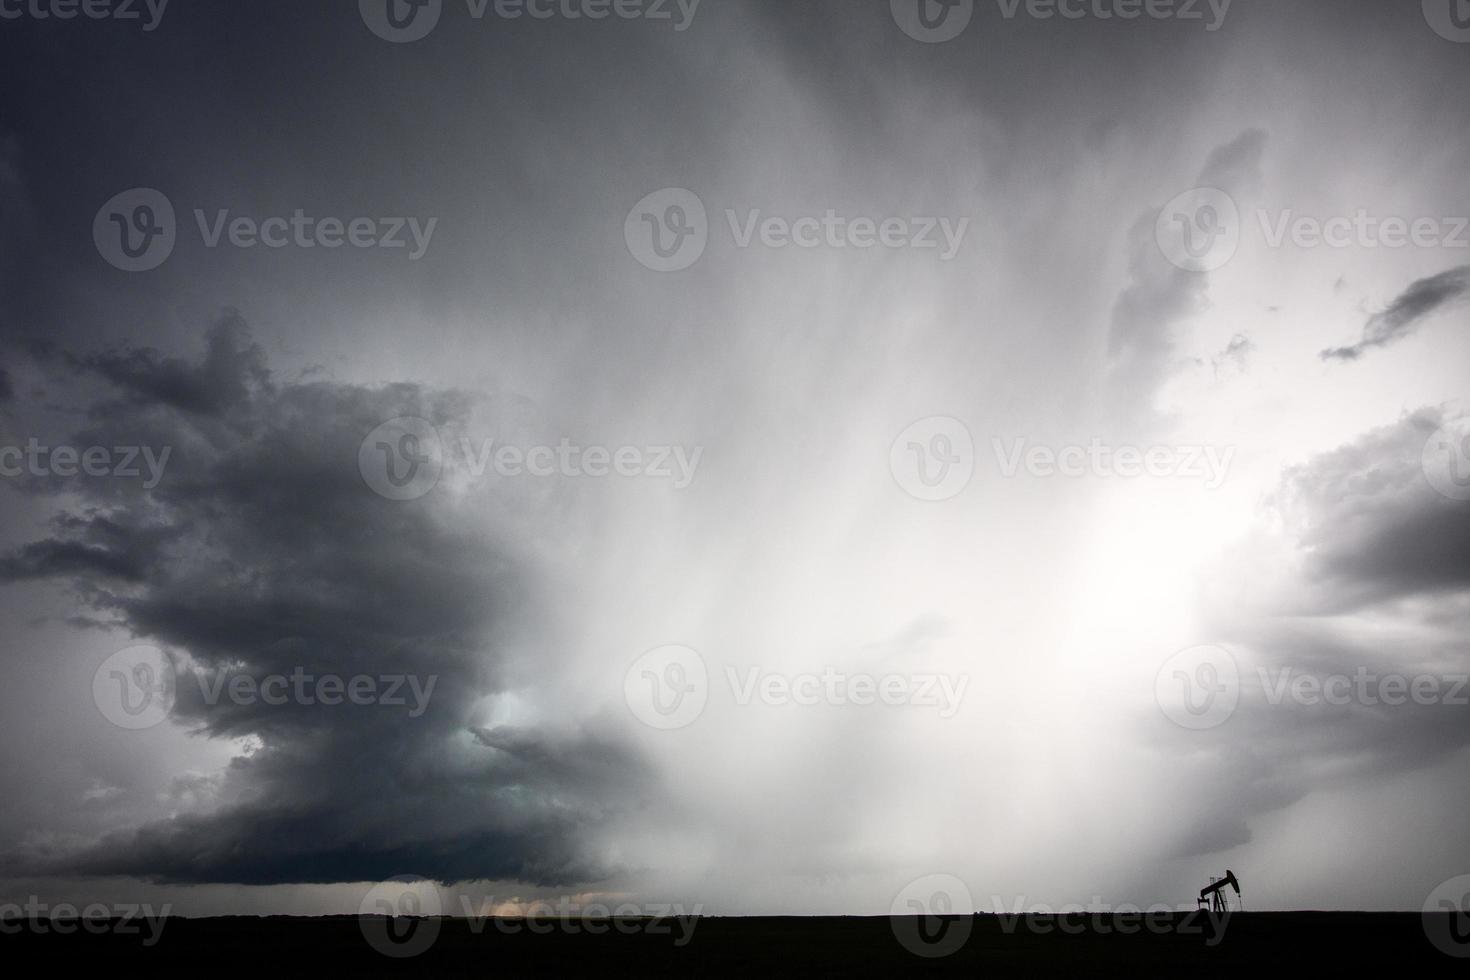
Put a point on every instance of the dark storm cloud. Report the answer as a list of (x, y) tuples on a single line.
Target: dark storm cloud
[(333, 841), (1406, 313), (226, 378), (73, 556), (1159, 295), (1368, 542), (263, 553), (1369, 525)]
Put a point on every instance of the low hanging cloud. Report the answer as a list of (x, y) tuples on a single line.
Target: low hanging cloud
[(263, 553), (1407, 313), (1359, 567)]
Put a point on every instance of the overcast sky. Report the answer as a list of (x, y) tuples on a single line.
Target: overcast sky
[(812, 451)]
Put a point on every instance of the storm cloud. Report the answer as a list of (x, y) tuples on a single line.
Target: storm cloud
[(1357, 568), (265, 553), (823, 383)]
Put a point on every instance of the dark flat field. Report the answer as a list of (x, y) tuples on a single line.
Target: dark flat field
[(1300, 944)]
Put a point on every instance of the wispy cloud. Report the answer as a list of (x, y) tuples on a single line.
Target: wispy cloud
[(1407, 313)]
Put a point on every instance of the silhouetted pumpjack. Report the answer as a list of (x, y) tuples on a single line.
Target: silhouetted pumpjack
[(1214, 893)]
